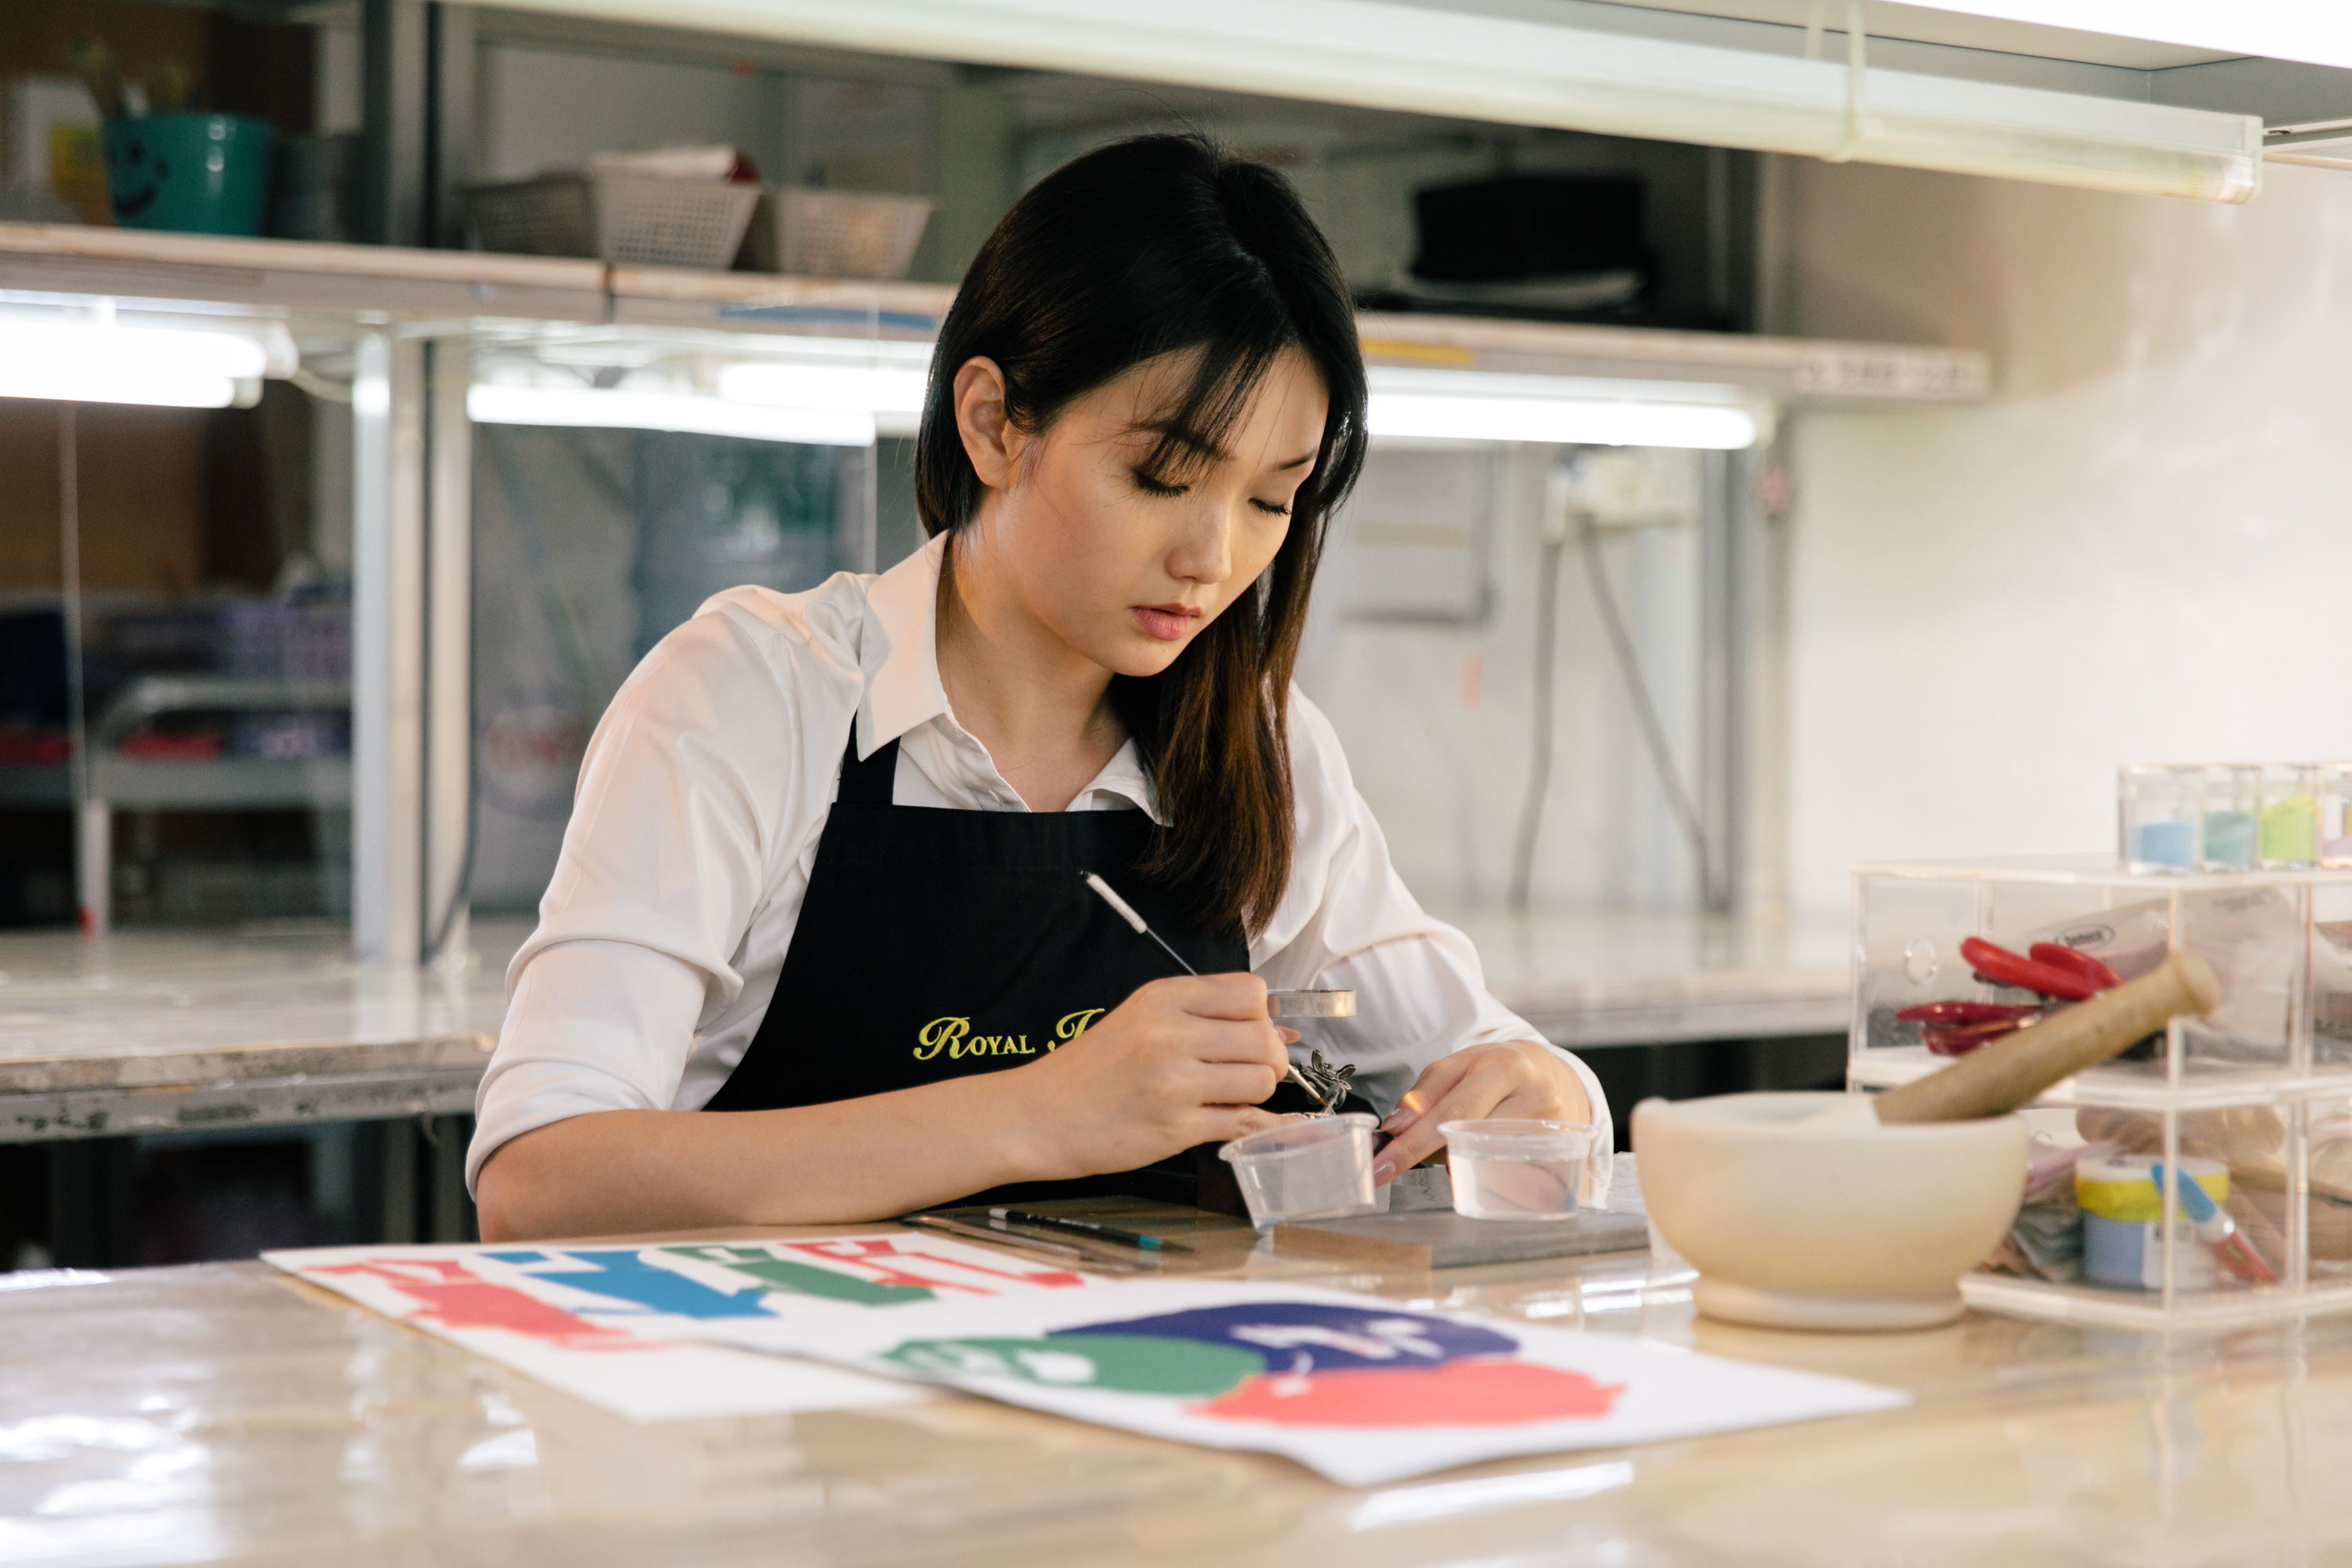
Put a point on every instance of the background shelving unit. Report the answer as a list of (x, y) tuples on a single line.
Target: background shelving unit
[(400, 325)]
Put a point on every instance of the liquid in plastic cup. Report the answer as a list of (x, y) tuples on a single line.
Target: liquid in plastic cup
[(1316, 1169), (2157, 810), (2289, 834), (2232, 820), (1517, 1170)]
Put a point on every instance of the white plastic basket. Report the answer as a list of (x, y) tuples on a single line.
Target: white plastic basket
[(653, 222), (837, 233), (625, 219)]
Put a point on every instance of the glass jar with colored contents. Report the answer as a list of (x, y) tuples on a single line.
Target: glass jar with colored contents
[(2157, 816), (2232, 804), (2122, 1223), (2288, 837), (2334, 783)]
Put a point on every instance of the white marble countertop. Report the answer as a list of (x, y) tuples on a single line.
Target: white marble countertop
[(148, 1031), (221, 1414), (1598, 978), (151, 1031)]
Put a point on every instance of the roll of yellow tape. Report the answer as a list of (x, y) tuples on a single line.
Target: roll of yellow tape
[(2122, 1188)]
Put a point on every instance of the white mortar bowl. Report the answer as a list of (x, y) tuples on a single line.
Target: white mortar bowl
[(1843, 1226)]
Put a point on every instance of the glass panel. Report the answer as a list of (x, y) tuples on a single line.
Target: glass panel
[(590, 545), (168, 576), (1506, 636)]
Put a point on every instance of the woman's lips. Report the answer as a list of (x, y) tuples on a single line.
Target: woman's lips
[(1169, 622)]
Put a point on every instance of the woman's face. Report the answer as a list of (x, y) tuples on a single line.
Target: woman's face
[(1125, 566)]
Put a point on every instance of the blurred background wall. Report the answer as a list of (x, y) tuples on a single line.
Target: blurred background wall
[(2138, 550)]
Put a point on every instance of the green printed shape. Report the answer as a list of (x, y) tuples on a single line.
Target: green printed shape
[(805, 1279), (1114, 1363)]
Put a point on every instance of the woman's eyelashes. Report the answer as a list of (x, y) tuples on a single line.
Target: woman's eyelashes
[(1156, 486)]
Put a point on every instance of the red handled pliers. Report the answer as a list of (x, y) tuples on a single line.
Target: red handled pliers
[(2058, 972)]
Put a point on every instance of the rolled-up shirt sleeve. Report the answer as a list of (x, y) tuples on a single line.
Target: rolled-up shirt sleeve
[(1349, 922), (694, 792), (592, 1025)]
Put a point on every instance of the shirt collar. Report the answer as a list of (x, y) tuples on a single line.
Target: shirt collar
[(1123, 776), (901, 656), (900, 650)]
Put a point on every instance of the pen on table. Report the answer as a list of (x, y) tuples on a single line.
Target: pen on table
[(1127, 912), (1089, 1227), (1006, 1237)]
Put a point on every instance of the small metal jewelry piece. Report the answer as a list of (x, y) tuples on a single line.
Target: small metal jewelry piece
[(1326, 1081), (1310, 1003)]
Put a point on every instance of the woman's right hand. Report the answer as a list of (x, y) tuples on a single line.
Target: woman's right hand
[(1182, 1061)]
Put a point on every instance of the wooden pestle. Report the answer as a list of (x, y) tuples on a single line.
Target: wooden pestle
[(1997, 1079)]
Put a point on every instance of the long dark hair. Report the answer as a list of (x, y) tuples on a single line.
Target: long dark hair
[(1144, 247)]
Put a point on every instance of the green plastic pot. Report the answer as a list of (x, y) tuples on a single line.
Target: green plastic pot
[(194, 174)]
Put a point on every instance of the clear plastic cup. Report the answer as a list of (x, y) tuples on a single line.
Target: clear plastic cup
[(1316, 1169), (2289, 835), (1517, 1170), (2156, 811), (2232, 804), (2336, 816)]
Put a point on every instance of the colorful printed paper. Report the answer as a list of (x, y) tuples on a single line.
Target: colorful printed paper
[(623, 1327), (1348, 1385)]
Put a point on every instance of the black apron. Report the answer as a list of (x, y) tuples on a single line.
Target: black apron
[(935, 944)]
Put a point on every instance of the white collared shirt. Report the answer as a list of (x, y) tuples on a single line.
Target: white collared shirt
[(700, 801)]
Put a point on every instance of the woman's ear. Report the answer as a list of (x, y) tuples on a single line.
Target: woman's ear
[(990, 437)]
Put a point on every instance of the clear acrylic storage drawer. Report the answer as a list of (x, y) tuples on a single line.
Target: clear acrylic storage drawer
[(2250, 1107)]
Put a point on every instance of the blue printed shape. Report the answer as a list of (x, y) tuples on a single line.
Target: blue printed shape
[(1305, 1336), (621, 1274)]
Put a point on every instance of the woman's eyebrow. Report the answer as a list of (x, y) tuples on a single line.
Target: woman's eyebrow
[(1178, 436)]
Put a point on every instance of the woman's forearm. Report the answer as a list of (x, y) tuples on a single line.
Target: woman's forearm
[(615, 1172), (1182, 1061)]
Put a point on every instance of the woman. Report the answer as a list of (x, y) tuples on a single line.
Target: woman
[(817, 948)]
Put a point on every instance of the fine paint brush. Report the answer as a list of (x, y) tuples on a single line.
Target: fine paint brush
[(1089, 1227), (1127, 912), (1005, 1236)]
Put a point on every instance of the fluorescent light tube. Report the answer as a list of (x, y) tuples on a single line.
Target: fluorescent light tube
[(892, 398), (94, 361), (1476, 405), (1436, 60), (491, 403), (1563, 421)]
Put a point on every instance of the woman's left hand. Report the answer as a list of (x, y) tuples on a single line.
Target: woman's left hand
[(1522, 1080)]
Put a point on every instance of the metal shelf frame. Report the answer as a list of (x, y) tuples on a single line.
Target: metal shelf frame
[(409, 321)]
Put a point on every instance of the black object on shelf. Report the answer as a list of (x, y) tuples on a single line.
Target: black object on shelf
[(1520, 228), (314, 188), (1545, 248)]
